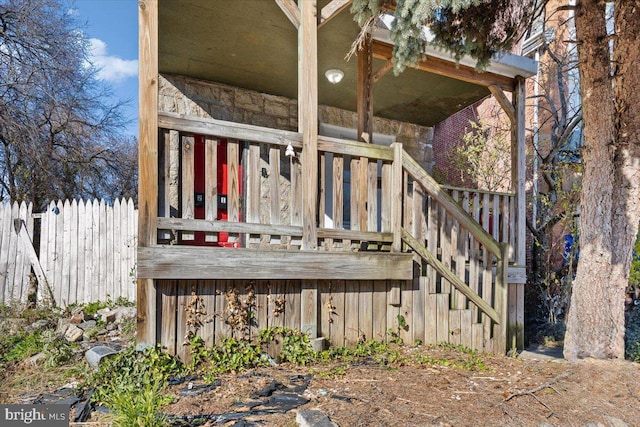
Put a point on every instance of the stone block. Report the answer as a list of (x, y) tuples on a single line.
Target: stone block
[(63, 324), (73, 333)]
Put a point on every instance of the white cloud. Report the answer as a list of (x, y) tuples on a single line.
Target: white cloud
[(111, 68)]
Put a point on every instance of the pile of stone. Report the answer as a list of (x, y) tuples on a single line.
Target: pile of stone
[(103, 327)]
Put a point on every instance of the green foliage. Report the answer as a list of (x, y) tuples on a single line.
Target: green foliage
[(464, 358), (232, 355), (296, 347), (483, 158), (394, 335), (133, 369), (17, 347), (57, 350), (135, 407), (465, 27)]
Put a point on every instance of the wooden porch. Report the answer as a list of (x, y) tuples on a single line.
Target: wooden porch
[(334, 237)]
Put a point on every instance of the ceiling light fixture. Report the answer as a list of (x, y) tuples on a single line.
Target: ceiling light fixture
[(334, 75)]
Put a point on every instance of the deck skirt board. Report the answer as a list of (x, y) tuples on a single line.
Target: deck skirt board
[(188, 262)]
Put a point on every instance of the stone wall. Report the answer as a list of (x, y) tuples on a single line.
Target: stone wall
[(200, 98)]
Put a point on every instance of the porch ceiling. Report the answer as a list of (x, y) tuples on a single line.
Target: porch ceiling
[(251, 44)]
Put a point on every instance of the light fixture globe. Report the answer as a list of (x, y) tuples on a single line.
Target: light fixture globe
[(334, 75)]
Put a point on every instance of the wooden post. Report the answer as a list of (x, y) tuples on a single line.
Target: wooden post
[(501, 300), (396, 198), (147, 161), (518, 171), (518, 168), (364, 91), (308, 118)]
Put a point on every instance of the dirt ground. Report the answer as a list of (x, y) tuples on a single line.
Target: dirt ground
[(509, 392), (424, 386)]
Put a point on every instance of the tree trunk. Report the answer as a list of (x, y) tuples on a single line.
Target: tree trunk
[(610, 186)]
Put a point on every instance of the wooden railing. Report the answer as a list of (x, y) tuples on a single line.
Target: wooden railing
[(371, 198)]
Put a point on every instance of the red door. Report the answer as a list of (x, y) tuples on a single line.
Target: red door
[(223, 190)]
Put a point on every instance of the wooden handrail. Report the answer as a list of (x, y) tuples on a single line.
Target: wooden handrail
[(224, 129), (450, 276), (354, 148), (442, 197)]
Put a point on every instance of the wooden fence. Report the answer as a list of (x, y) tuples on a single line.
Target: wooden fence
[(86, 251)]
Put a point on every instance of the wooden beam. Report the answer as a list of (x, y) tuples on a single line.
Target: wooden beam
[(308, 118), (519, 168), (332, 9), (504, 102), (364, 91), (382, 50), (353, 148), (386, 67), (290, 10), (147, 160), (192, 262)]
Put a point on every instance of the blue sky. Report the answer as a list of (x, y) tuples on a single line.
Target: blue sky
[(112, 28)]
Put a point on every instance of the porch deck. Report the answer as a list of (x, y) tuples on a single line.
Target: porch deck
[(389, 240)]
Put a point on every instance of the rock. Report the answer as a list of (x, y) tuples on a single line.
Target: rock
[(124, 313), (77, 316), (107, 315), (87, 324), (318, 344), (73, 333), (35, 359), (63, 324), (40, 324), (313, 418), (97, 353)]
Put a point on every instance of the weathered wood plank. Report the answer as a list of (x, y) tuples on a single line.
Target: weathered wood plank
[(351, 313), (207, 291), (365, 308), (431, 322), (338, 318), (187, 180), (455, 327), (406, 306), (379, 312), (442, 317), (80, 266), (466, 338), (309, 308), (211, 183), (168, 303)]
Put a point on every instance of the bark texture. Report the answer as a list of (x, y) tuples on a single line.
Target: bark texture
[(611, 182)]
